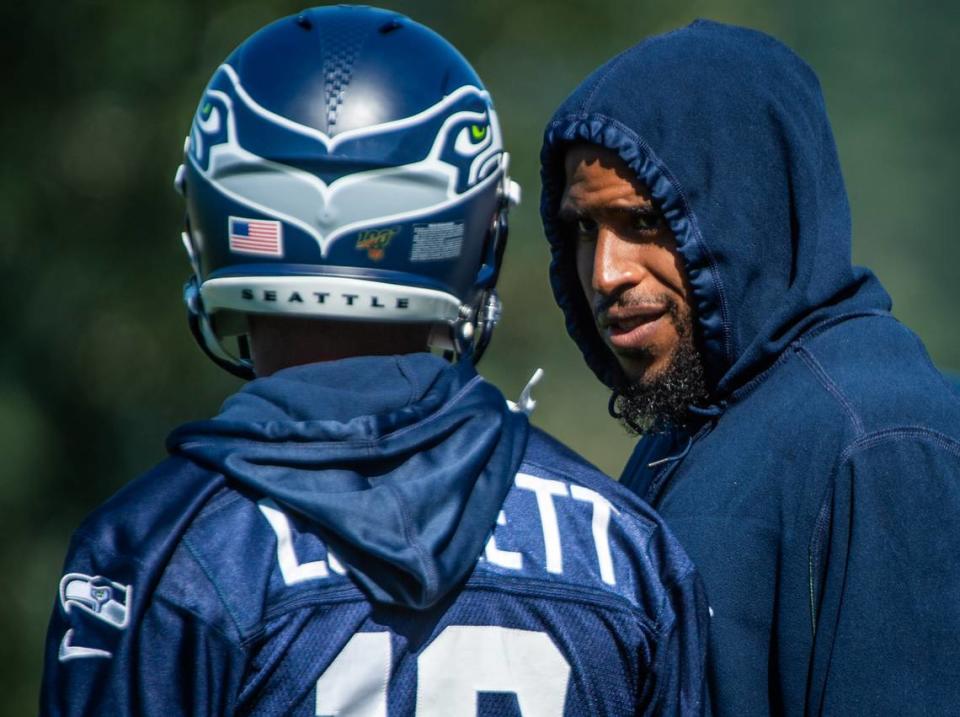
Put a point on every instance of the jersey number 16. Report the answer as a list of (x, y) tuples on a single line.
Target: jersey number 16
[(460, 663)]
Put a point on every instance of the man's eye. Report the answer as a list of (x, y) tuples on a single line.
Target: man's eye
[(585, 226), (644, 220)]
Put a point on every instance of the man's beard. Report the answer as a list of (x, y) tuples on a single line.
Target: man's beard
[(660, 403)]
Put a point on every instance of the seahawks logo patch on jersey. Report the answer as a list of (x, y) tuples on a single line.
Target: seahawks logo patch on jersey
[(91, 602)]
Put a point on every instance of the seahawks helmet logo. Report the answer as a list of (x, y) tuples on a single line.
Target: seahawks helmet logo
[(446, 153)]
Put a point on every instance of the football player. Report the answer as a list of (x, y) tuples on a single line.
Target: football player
[(367, 528)]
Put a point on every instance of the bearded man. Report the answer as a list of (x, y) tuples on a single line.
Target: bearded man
[(797, 438)]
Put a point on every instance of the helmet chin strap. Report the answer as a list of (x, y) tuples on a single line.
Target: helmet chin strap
[(473, 334), (199, 321), (488, 315), (205, 337)]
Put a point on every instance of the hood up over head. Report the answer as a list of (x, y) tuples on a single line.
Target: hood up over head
[(402, 463), (728, 129)]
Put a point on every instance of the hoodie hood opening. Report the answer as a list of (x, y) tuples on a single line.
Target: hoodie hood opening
[(707, 294), (728, 129)]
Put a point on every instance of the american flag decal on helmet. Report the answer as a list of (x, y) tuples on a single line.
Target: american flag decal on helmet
[(256, 236)]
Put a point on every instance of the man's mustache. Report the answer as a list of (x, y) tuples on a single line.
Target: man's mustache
[(627, 301)]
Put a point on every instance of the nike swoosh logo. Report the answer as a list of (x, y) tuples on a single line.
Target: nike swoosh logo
[(76, 652)]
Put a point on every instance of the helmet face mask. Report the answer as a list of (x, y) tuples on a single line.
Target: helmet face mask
[(296, 206)]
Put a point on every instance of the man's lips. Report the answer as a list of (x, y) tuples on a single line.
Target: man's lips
[(633, 328)]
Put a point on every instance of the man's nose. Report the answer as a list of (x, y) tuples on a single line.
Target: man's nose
[(615, 268)]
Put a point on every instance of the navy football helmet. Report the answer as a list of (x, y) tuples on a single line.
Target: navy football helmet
[(344, 163)]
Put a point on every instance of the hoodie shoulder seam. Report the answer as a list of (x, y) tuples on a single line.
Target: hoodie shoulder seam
[(816, 368), (747, 388), (921, 433), (862, 443)]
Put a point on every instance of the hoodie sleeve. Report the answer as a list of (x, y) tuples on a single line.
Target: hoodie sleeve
[(887, 637)]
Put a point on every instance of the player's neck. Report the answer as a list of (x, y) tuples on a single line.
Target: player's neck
[(281, 342)]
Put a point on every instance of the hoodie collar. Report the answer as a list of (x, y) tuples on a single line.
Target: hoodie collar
[(402, 463)]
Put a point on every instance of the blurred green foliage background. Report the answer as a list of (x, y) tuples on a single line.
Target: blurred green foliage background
[(97, 364)]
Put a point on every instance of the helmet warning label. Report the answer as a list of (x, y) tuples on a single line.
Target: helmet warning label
[(437, 241)]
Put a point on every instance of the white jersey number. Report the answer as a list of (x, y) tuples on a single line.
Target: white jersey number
[(460, 663)]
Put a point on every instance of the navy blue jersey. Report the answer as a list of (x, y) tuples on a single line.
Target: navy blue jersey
[(579, 602)]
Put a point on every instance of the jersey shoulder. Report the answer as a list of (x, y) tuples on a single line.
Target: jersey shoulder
[(548, 456), (127, 541), (149, 508), (546, 453), (115, 559), (565, 524), (245, 560)]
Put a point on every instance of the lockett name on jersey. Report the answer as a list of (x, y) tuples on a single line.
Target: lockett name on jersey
[(539, 532)]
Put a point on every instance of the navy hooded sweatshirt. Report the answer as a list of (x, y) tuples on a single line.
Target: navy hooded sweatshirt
[(379, 535), (818, 492)]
